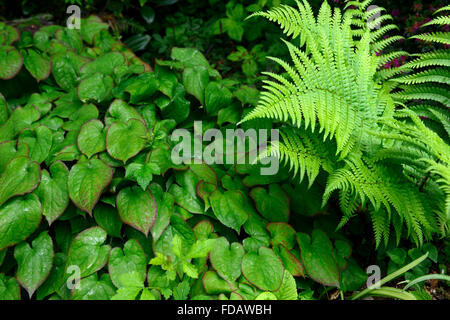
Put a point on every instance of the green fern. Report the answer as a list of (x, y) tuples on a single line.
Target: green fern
[(341, 114)]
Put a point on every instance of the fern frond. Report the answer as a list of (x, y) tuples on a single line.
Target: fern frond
[(440, 21), (424, 92), (439, 37), (434, 75), (429, 59), (303, 152)]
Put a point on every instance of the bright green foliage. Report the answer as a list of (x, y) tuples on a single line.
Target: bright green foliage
[(92, 206), (339, 114)]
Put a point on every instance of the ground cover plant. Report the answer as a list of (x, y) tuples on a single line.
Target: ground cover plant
[(93, 205)]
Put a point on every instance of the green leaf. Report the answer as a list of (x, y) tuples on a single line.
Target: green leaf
[(142, 173), (104, 64), (55, 279), (120, 110), (70, 38), (130, 259), (291, 262), (226, 259), (137, 208), (92, 288), (229, 207), (11, 62), (181, 291), (200, 249), (20, 119), (138, 42), (132, 279), (21, 176), (353, 277), (189, 57), (91, 27), (288, 289), (318, 258), (195, 80), (266, 296), (165, 208), (148, 295), (107, 217), (398, 255), (142, 87), (272, 205), (263, 269), (39, 142), (87, 181), (88, 252), (53, 191), (9, 288), (175, 107), (216, 97), (125, 140), (127, 293), (19, 218), (34, 264), (91, 139), (3, 109), (37, 64), (282, 233), (214, 285), (65, 70), (185, 199), (95, 87), (8, 34)]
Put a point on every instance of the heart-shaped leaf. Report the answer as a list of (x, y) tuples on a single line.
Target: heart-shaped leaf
[(39, 141), (20, 176), (37, 64), (104, 64), (34, 264), (53, 191), (130, 259), (95, 87), (214, 285), (92, 288), (107, 217), (273, 205), (11, 62), (282, 233), (9, 288), (263, 269), (87, 181), (19, 218), (88, 252), (291, 261), (229, 208), (288, 289), (226, 259), (125, 140), (120, 110), (317, 258), (137, 208), (195, 80), (216, 97), (91, 139)]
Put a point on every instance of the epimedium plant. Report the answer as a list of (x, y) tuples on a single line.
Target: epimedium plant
[(90, 197)]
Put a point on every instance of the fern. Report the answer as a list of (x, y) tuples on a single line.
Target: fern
[(341, 114)]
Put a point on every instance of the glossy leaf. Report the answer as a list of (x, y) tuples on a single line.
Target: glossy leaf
[(87, 181)]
